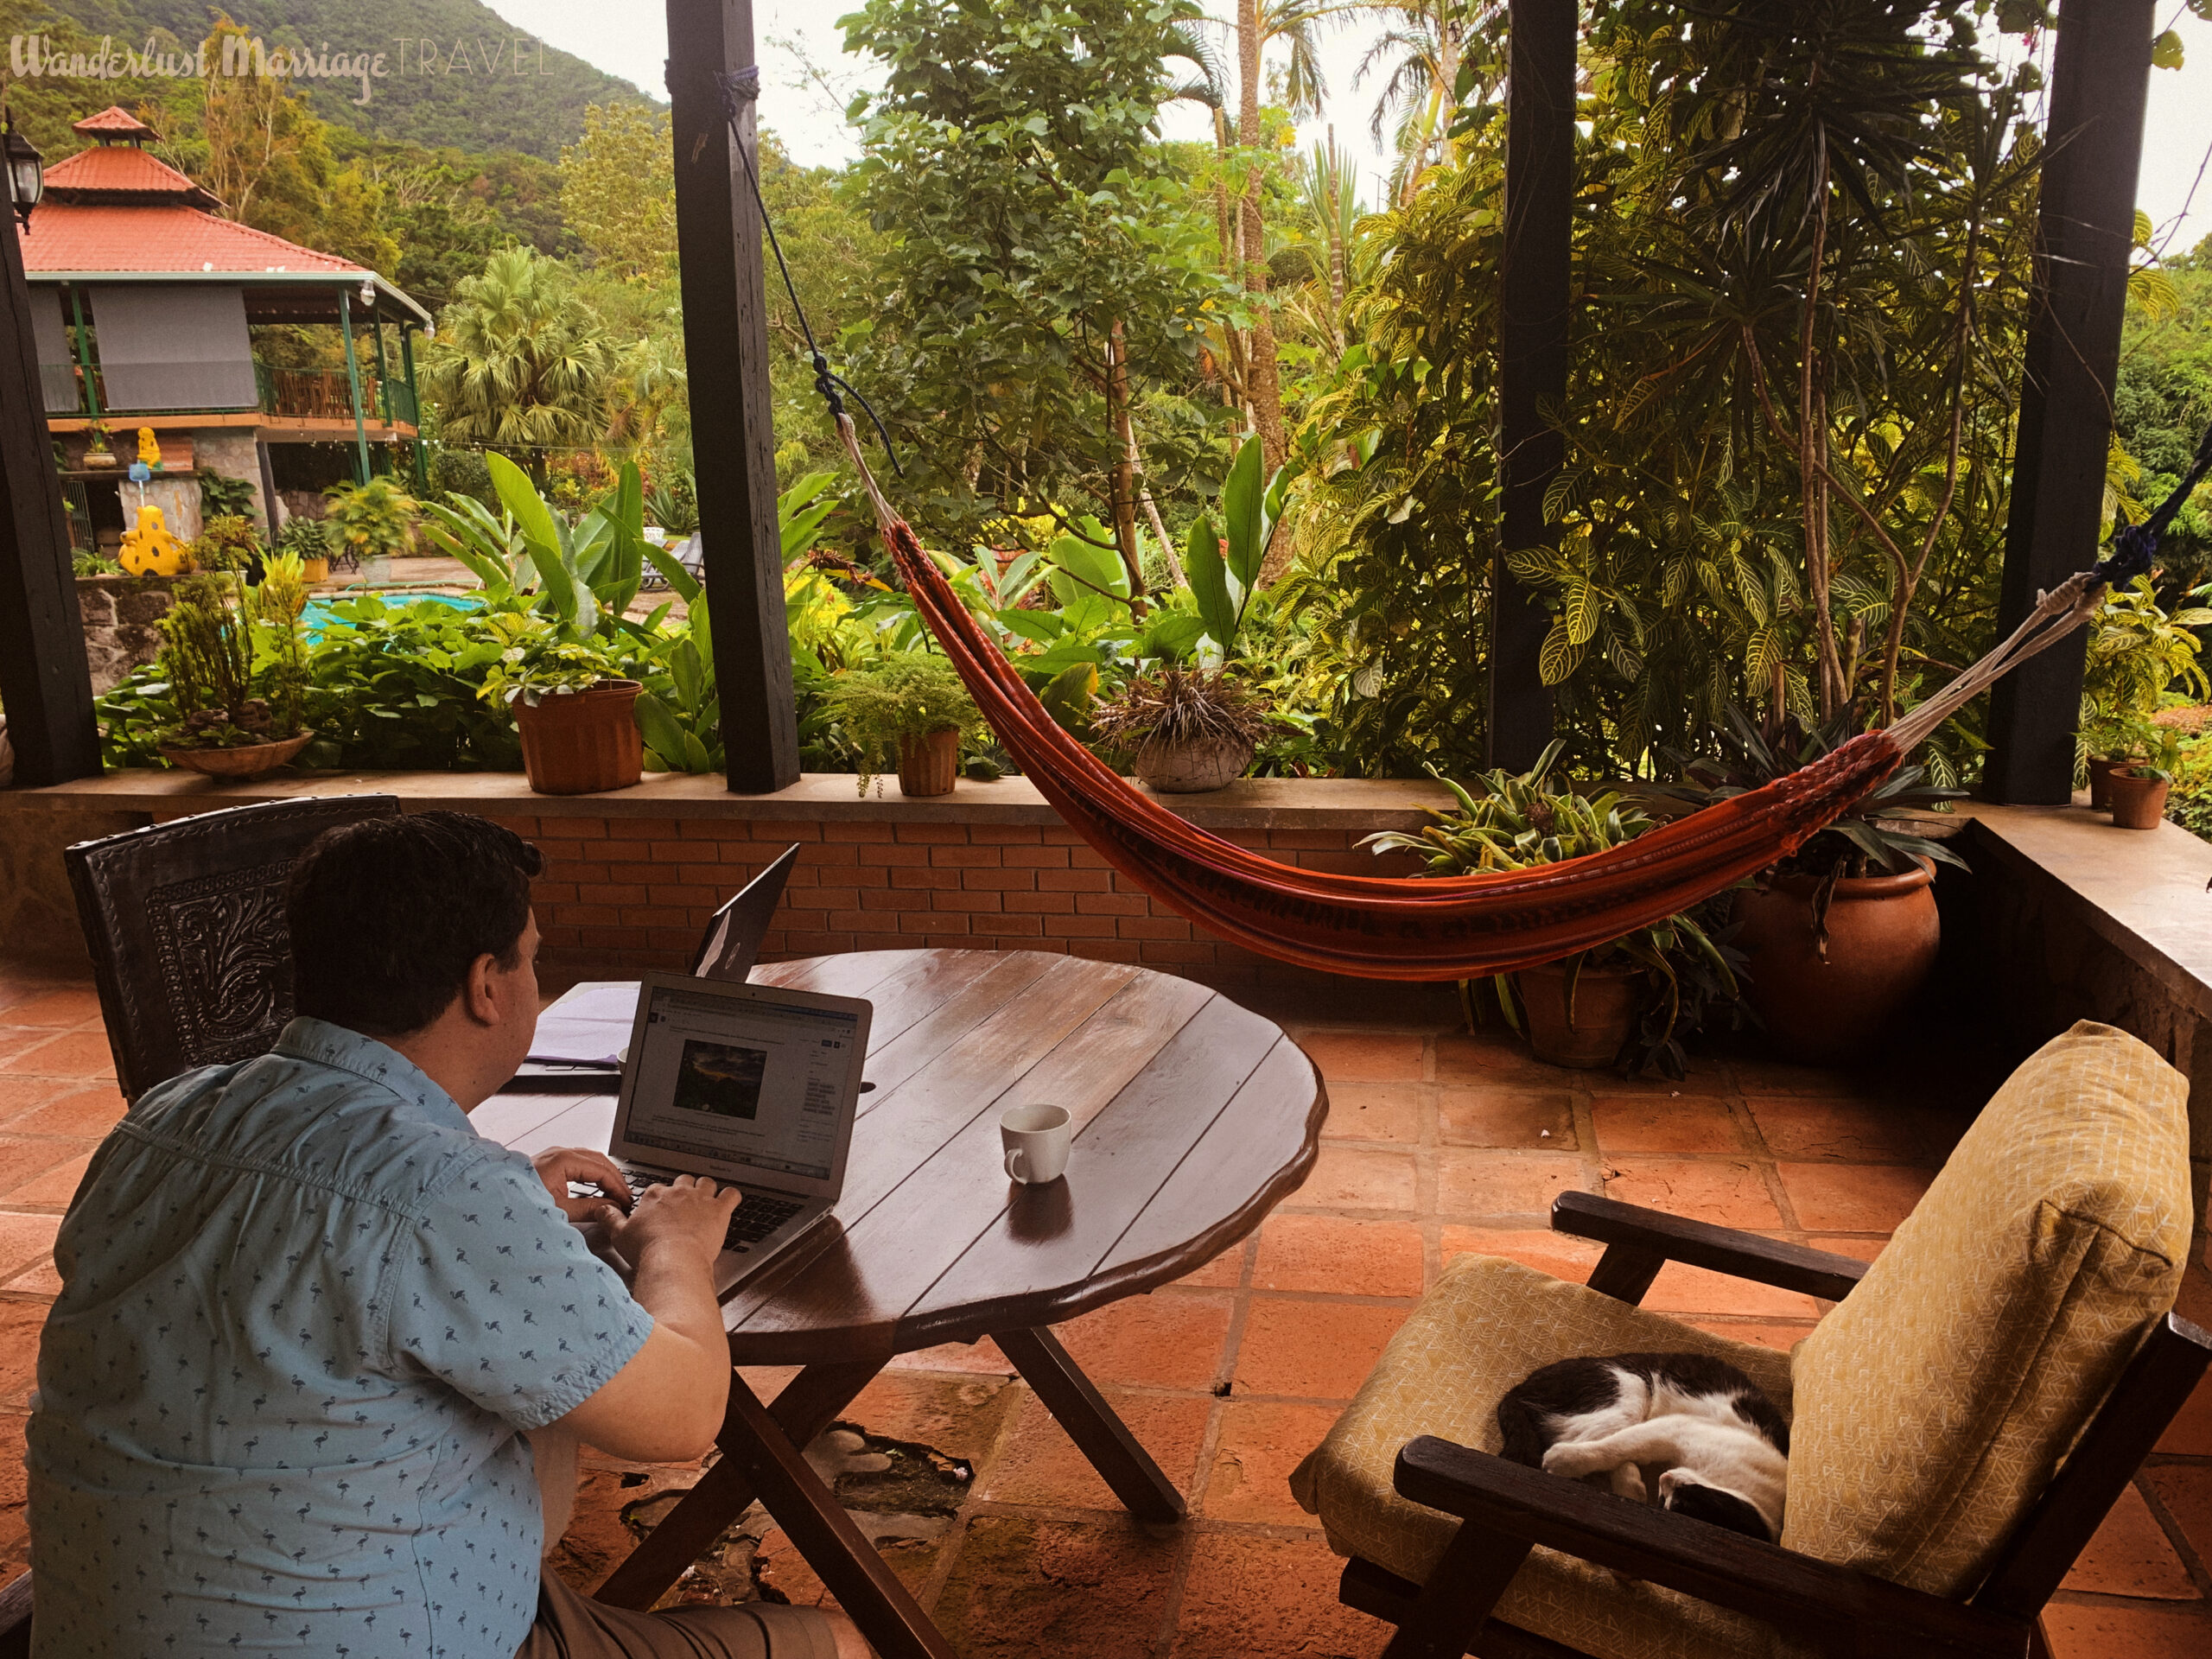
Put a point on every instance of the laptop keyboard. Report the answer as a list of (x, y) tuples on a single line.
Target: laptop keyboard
[(760, 1215)]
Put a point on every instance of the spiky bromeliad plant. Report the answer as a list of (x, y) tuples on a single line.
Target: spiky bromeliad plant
[(1180, 705), (1509, 821)]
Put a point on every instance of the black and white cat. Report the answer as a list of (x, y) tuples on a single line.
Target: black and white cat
[(1721, 1446)]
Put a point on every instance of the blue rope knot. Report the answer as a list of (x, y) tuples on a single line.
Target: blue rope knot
[(2135, 548)]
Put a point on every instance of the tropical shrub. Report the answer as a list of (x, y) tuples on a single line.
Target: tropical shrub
[(912, 694), (371, 521)]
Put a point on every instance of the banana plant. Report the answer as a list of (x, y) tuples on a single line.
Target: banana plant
[(1223, 567)]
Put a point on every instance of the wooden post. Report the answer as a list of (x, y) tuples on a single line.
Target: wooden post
[(726, 350), (44, 678), (1532, 311), (2085, 233)]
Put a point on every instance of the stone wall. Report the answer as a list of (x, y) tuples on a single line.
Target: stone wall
[(120, 613), (232, 451)]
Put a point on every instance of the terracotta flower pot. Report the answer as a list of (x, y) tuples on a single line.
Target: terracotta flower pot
[(313, 570), (1191, 769), (1604, 1014), (928, 762), (584, 742), (2138, 802), (2100, 772), (247, 760), (1882, 936)]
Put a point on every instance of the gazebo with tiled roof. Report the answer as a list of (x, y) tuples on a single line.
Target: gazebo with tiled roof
[(154, 294)]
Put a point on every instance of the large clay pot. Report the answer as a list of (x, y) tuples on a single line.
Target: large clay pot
[(584, 742), (2138, 802), (1883, 935), (1605, 1006), (2100, 772), (1191, 769), (928, 762)]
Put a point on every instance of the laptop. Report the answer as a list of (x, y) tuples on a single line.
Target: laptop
[(732, 942), (753, 1085)]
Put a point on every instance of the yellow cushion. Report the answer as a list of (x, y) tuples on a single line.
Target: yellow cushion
[(1486, 1325), (1937, 1401)]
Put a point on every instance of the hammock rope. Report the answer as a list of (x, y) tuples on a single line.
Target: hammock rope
[(1450, 927)]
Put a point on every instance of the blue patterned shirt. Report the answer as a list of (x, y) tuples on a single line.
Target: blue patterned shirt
[(305, 1311)]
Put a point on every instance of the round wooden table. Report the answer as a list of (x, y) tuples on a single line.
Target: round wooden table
[(1193, 1117)]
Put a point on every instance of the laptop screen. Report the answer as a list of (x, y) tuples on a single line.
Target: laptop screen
[(742, 1081)]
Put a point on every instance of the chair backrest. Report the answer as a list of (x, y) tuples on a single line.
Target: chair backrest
[(1933, 1407), (186, 925)]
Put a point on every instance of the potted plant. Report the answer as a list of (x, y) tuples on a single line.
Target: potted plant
[(912, 711), (1629, 1000), (1184, 730), (574, 711), (1840, 934), (306, 540), (97, 453), (2138, 652), (2139, 797), (375, 520), (236, 666)]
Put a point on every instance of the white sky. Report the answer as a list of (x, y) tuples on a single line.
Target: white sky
[(809, 116)]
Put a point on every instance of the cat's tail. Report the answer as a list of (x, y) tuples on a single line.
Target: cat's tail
[(1523, 1430)]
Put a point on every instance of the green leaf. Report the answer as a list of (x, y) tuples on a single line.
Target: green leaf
[(660, 728), (1208, 576), (1243, 512), (1070, 695), (1581, 616), (686, 584), (1559, 657), (2166, 51)]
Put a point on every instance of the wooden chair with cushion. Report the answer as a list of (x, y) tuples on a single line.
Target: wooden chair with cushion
[(186, 925), (1961, 1423)]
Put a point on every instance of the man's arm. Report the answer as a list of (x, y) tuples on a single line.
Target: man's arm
[(666, 1404)]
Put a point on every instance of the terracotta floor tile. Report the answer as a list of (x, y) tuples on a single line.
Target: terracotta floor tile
[(69, 1054), (1260, 1598), (1703, 1075), (1859, 1131), (1225, 1272), (1754, 1075), (1478, 1183), (1315, 1350), (20, 1323), (1026, 1588), (2131, 1555), (1375, 1112), (1664, 1123), (2086, 1630), (2186, 1491), (958, 1414), (38, 1280), (16, 1041), (61, 1009), (1491, 1057), (1259, 1444), (1782, 1335), (18, 988), (23, 1239), (911, 1552), (980, 1356), (1488, 1115), (1039, 1464), (87, 1112), (1560, 1255), (1725, 1191), (57, 1185), (1346, 1178), (23, 1094), (1680, 1288), (1340, 1256), (1170, 1339), (1853, 1198), (2190, 1434), (23, 1158), (1864, 1249), (1366, 1057)]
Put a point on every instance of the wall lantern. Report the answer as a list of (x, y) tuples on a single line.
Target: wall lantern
[(26, 176)]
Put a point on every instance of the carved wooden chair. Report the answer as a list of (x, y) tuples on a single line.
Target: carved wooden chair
[(1961, 1422), (186, 925)]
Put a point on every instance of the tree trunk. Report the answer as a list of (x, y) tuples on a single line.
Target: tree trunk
[(1125, 474), (1263, 386), (1830, 690)]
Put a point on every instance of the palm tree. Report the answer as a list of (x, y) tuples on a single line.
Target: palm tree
[(1419, 59), (1329, 181), (522, 362)]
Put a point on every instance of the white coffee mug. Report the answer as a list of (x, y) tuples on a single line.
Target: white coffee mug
[(1037, 1140)]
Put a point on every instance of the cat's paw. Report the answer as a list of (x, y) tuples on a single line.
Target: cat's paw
[(1628, 1482), (1571, 1460)]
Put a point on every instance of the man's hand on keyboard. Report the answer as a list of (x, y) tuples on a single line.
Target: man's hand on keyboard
[(562, 1164), (688, 1213)]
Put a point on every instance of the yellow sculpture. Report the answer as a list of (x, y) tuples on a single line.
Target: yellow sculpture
[(148, 451), (150, 550)]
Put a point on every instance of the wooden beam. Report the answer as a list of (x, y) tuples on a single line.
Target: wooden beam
[(1533, 316), (733, 435), (2085, 233), (44, 679)]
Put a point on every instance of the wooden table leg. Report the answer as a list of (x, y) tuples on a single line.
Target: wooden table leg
[(838, 1551), (807, 1406), (1115, 1453)]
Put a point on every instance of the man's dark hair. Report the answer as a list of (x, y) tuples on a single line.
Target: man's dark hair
[(388, 916)]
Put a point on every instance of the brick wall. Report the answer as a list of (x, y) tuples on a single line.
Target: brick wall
[(623, 895)]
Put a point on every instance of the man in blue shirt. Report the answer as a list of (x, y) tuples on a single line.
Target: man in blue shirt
[(308, 1317)]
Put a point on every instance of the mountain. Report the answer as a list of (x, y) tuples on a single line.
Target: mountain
[(454, 73)]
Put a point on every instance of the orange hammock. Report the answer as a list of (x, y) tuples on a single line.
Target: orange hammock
[(1453, 927)]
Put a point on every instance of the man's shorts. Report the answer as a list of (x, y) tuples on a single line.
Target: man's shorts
[(570, 1626)]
